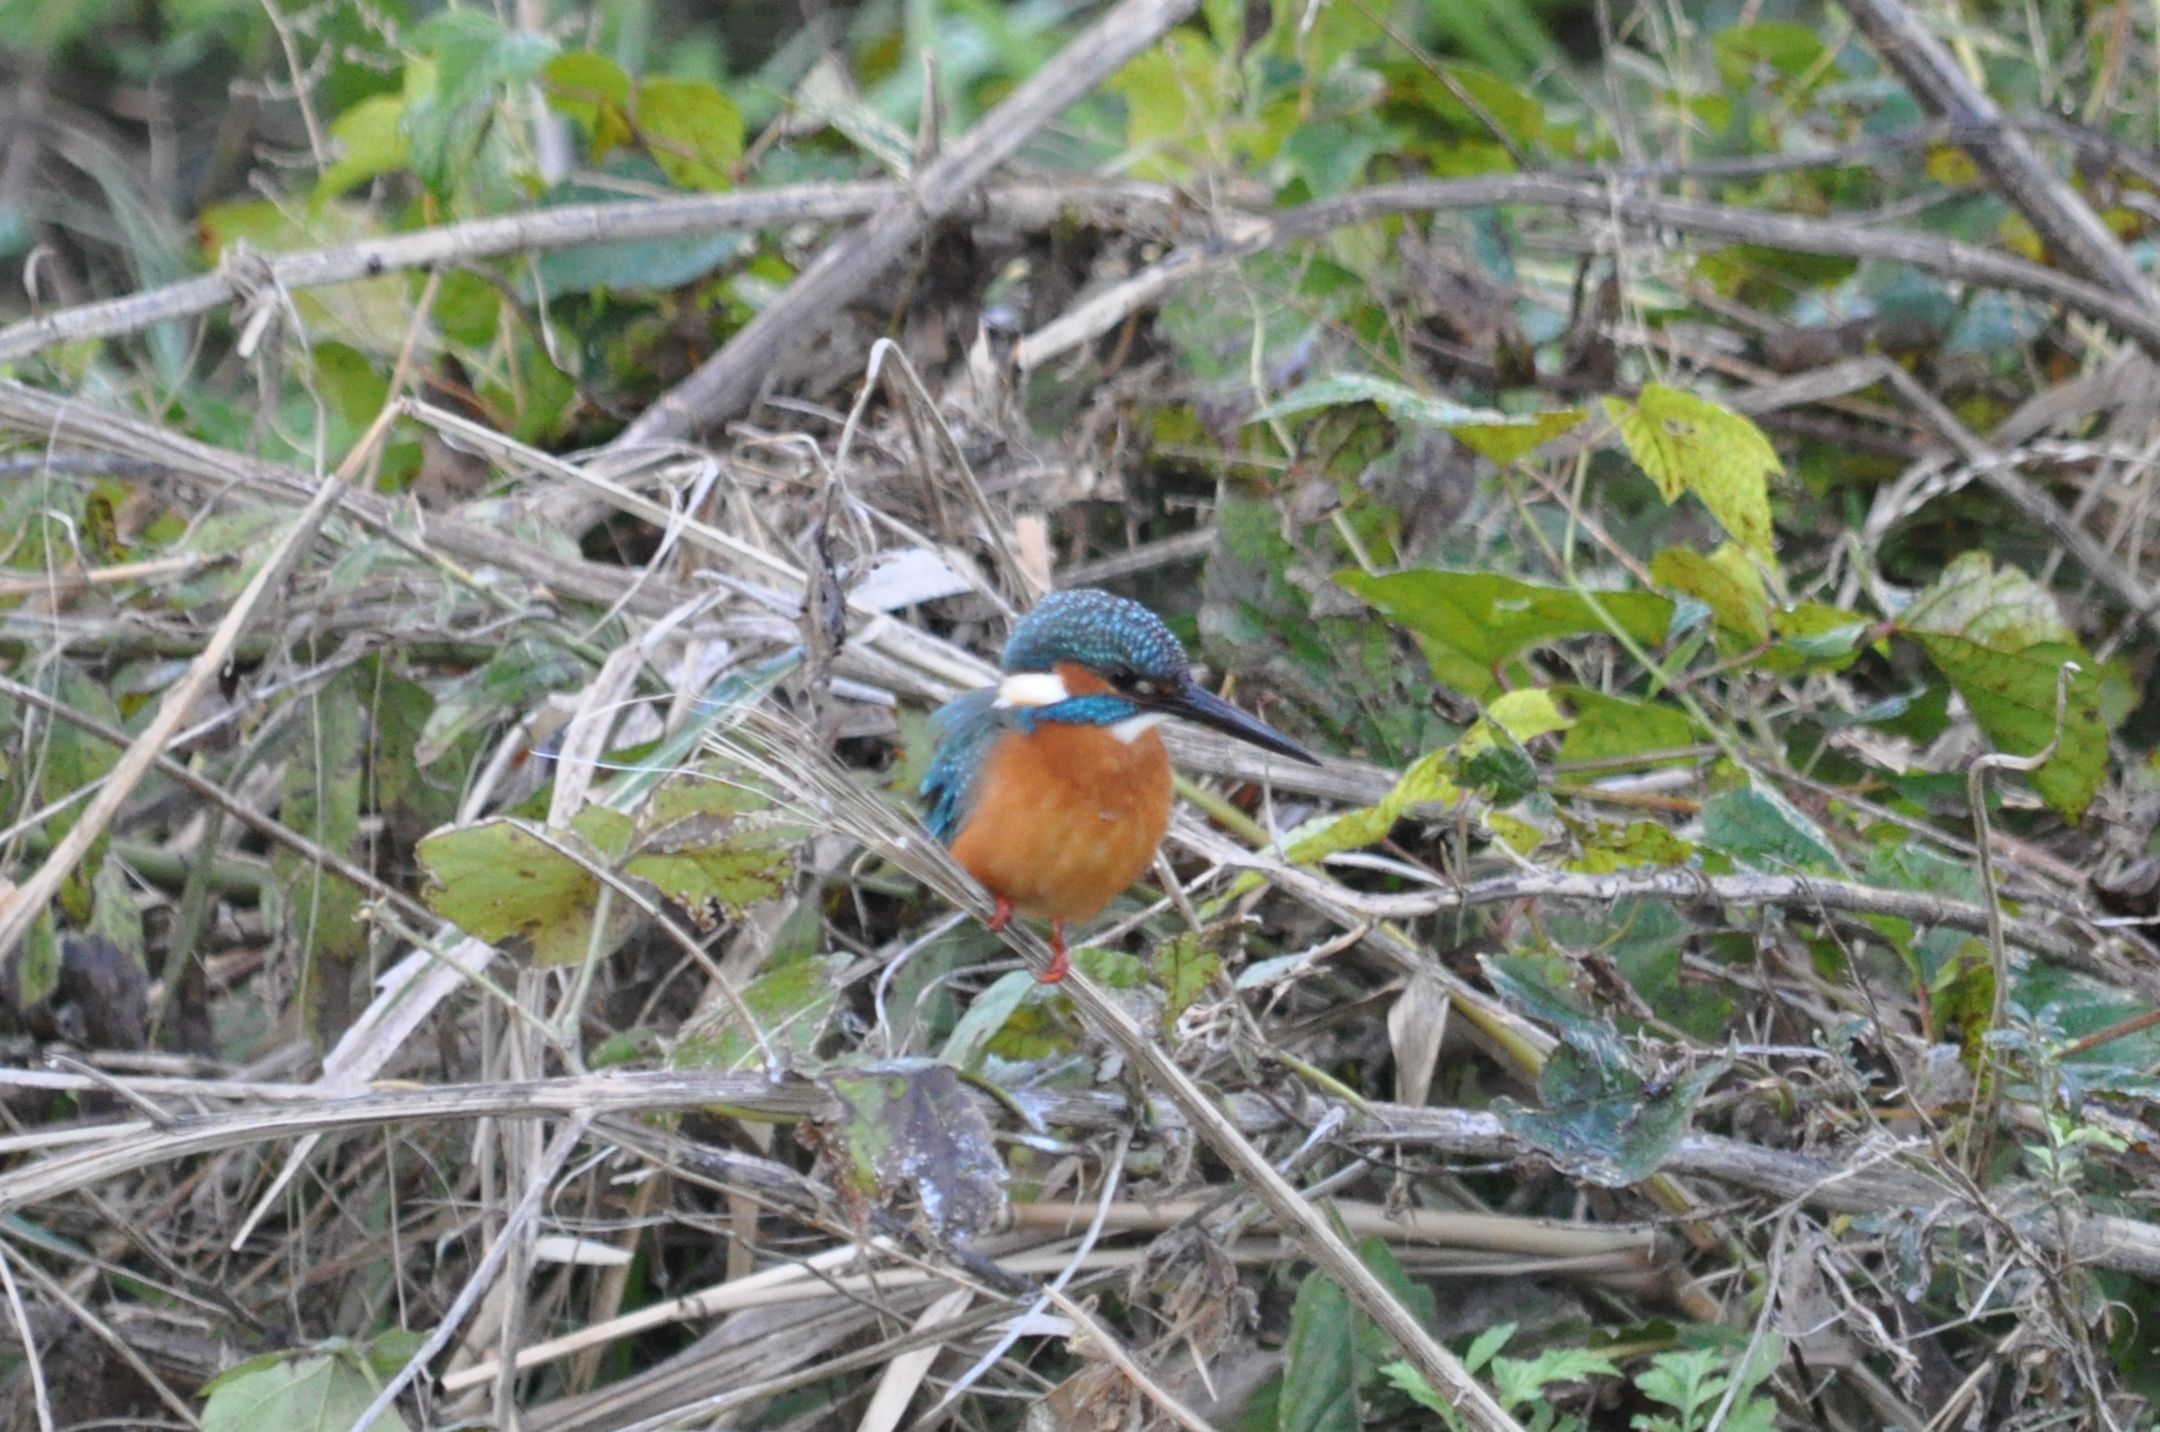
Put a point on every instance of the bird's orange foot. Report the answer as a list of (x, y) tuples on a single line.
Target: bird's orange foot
[(1060, 966), (1002, 917)]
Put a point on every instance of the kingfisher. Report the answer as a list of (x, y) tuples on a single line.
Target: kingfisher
[(1052, 787)]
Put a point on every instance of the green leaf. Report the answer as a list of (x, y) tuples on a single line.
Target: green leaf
[(1472, 623), (1425, 782), (318, 1393), (1608, 847), (322, 802), (695, 132), (1690, 444), (792, 1004), (593, 90), (910, 1140), (1727, 581), (986, 1017), (1173, 92), (1611, 727), (1998, 638), (371, 139), (1528, 714), (1320, 1392), (1600, 1119), (1760, 829), (636, 265), (34, 969), (1402, 404), (1489, 760), (1515, 437), (498, 881), (513, 677), (703, 846), (471, 59)]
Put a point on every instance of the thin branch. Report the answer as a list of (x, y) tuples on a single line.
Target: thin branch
[(724, 385), (2001, 151)]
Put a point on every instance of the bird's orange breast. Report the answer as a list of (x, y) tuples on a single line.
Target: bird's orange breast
[(1066, 817)]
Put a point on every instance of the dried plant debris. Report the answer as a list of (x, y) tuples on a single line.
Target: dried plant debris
[(487, 518)]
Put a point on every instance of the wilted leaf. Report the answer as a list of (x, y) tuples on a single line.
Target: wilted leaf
[(701, 847), (496, 881), (910, 1140), (1690, 444), (1600, 1119), (1996, 634), (1609, 847)]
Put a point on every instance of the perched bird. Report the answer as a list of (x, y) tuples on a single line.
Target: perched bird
[(1053, 788)]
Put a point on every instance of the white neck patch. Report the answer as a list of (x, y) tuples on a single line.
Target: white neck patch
[(1132, 728), (1032, 688)]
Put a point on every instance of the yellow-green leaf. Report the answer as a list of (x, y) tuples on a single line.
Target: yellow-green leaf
[(694, 131), (1426, 781), (1727, 581), (1690, 444)]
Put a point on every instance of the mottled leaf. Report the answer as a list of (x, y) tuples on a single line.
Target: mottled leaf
[(909, 1140), (1690, 444)]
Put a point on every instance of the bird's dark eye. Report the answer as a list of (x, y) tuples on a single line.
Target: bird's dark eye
[(1144, 687)]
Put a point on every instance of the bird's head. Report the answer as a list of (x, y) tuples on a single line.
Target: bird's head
[(1089, 656)]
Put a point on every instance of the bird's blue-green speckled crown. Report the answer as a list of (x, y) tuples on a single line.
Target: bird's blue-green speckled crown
[(1104, 633)]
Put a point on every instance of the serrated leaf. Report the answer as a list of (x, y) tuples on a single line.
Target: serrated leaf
[(1471, 623), (1995, 633), (909, 1140), (1690, 444)]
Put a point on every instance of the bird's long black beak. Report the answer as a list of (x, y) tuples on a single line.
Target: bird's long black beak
[(1195, 703)]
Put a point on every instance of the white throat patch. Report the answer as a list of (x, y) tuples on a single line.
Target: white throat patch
[(1032, 688), (1132, 728)]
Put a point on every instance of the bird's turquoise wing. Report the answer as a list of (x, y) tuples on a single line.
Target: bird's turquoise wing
[(965, 730)]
